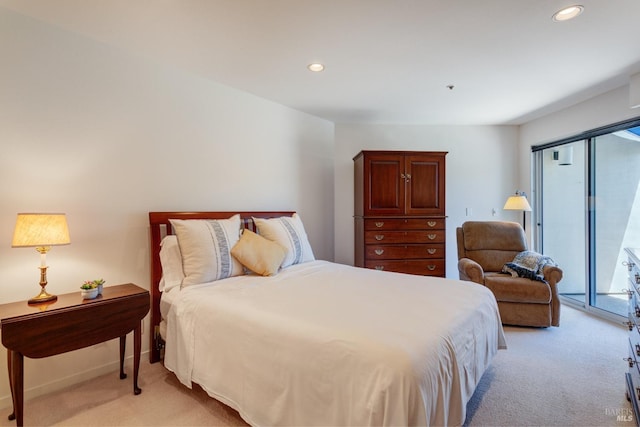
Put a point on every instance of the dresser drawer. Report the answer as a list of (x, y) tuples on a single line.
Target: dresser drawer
[(404, 224), (634, 278), (379, 237), (634, 342), (404, 251), (634, 373), (634, 308), (434, 267)]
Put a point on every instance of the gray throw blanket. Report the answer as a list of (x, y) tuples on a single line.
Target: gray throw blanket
[(528, 264)]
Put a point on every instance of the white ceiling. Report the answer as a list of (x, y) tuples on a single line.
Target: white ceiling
[(387, 61)]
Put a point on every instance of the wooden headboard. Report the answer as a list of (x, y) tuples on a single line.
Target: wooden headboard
[(160, 227)]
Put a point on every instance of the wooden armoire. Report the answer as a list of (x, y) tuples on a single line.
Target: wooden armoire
[(400, 211)]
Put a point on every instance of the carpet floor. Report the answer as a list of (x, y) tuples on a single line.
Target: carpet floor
[(567, 376)]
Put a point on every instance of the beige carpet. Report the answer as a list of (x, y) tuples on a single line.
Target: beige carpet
[(567, 376)]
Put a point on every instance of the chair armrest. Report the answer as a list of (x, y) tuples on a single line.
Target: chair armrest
[(552, 274), (470, 270)]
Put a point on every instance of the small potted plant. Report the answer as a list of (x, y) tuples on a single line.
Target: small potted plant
[(89, 290), (99, 283)]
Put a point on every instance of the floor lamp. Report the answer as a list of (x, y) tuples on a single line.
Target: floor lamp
[(518, 202)]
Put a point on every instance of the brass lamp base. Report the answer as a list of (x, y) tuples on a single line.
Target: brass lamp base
[(43, 296)]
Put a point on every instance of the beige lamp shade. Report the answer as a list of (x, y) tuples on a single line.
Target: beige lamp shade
[(517, 203), (40, 229)]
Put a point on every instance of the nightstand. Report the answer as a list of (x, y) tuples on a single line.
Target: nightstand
[(70, 323)]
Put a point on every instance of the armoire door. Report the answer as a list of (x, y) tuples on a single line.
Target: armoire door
[(425, 187), (384, 184)]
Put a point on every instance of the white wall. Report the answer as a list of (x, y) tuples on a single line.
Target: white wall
[(106, 137), (481, 172)]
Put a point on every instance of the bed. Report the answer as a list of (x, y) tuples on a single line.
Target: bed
[(320, 343)]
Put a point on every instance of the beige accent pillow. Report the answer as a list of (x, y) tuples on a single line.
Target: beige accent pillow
[(258, 254)]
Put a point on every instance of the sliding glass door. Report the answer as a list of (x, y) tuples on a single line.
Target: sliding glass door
[(588, 197), (564, 213), (616, 214)]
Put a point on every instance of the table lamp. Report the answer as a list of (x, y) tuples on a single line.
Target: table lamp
[(41, 231), (518, 202)]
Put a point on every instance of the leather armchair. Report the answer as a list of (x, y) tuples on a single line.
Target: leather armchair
[(483, 248)]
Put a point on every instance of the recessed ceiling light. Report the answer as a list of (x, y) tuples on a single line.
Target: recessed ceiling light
[(316, 67), (568, 13)]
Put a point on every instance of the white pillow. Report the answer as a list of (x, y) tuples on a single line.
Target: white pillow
[(288, 232), (171, 261), (206, 248)]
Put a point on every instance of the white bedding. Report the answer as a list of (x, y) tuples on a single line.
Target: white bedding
[(327, 344)]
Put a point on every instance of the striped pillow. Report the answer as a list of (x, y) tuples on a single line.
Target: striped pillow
[(289, 232), (206, 248)]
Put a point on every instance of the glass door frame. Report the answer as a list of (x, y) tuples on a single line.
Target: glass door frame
[(589, 137)]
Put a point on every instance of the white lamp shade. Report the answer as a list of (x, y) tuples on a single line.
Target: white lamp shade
[(38, 229), (517, 203)]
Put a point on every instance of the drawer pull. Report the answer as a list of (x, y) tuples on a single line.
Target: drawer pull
[(637, 279), (379, 267), (637, 310), (379, 224), (638, 349), (379, 251), (431, 267), (629, 292), (431, 251), (431, 223), (629, 265), (630, 361), (379, 236), (431, 236), (638, 393), (629, 325)]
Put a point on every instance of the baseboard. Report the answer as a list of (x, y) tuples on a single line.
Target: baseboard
[(59, 384)]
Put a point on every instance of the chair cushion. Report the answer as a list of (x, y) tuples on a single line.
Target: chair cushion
[(517, 289), (491, 260)]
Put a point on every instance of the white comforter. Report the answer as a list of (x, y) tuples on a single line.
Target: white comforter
[(328, 344)]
